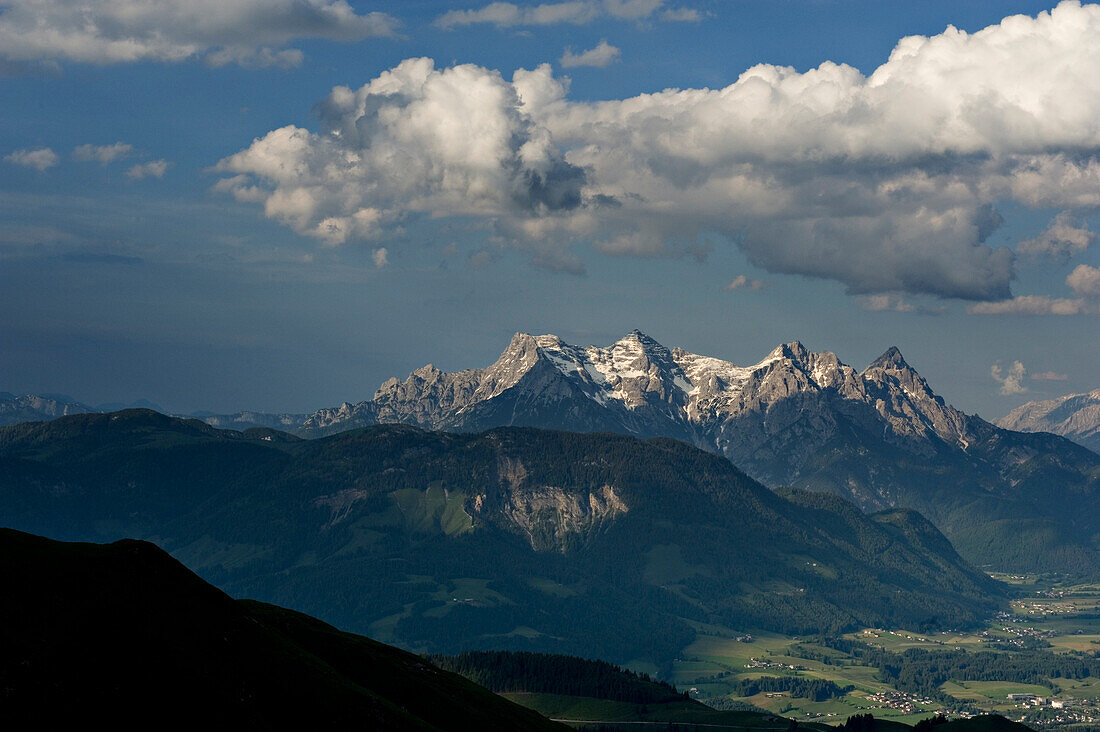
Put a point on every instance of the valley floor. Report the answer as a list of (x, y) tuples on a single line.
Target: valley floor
[(1057, 620)]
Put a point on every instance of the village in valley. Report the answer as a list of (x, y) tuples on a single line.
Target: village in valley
[(1046, 617)]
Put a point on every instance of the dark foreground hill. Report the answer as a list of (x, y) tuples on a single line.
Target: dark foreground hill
[(523, 539), (126, 635)]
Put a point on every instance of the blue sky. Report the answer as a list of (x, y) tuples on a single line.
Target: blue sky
[(182, 266)]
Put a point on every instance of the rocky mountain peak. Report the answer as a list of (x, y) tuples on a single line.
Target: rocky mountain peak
[(797, 368), (522, 342), (637, 336), (519, 356), (547, 341), (427, 372), (517, 359), (638, 342), (794, 351), (890, 360)]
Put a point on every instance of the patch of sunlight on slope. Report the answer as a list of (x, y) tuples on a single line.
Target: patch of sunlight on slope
[(433, 510)]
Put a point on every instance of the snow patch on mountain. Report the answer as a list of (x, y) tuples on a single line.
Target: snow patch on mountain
[(642, 387)]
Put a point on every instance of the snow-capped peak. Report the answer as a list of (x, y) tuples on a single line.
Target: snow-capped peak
[(687, 389)]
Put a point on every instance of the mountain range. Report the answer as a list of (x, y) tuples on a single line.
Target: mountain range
[(516, 538), (36, 407), (15, 409), (1074, 416), (880, 437)]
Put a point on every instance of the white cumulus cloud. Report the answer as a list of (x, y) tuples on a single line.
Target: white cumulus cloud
[(453, 142), (1065, 237), (152, 169), (249, 32), (604, 54), (102, 153), (40, 159), (887, 183), (1036, 305), (380, 257), (1011, 381), (1085, 280)]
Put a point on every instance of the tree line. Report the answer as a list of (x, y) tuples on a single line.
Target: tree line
[(817, 690), (544, 673)]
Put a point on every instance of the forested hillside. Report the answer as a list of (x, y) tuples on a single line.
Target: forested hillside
[(513, 539)]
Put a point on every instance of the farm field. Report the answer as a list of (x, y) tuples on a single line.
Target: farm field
[(1046, 617), (582, 712), (713, 666)]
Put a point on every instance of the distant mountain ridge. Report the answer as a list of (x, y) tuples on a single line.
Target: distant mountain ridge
[(38, 407), (15, 409), (1073, 416)]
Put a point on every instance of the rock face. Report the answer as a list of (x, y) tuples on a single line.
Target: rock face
[(1074, 416), (881, 437), (551, 519)]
